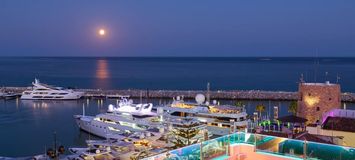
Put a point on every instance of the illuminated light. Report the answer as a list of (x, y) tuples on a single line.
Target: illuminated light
[(311, 101), (102, 32)]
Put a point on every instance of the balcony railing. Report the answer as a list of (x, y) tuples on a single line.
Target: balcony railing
[(262, 144), (338, 113)]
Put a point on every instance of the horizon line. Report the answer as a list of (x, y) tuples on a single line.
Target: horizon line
[(38, 56)]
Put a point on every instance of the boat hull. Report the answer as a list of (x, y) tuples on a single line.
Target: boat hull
[(73, 96), (87, 125)]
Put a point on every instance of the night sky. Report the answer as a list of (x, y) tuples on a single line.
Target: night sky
[(177, 28)]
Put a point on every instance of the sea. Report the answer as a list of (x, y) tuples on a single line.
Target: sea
[(29, 127)]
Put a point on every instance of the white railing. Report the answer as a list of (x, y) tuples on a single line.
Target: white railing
[(339, 113)]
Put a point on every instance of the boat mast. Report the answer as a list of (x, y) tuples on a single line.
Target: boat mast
[(83, 109)]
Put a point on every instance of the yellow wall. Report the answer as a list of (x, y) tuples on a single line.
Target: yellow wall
[(349, 137)]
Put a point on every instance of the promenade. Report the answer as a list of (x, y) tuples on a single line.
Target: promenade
[(219, 94)]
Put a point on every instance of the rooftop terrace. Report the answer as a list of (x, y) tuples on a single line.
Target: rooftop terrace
[(248, 146)]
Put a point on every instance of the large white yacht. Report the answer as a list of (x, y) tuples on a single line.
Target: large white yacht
[(220, 119), (40, 91), (121, 121)]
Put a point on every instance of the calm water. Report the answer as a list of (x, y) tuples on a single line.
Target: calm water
[(176, 73), (26, 127)]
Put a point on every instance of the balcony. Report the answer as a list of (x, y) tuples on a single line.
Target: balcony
[(246, 146)]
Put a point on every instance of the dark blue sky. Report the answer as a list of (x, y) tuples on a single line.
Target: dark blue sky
[(177, 28)]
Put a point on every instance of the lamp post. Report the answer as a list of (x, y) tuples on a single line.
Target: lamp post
[(55, 144)]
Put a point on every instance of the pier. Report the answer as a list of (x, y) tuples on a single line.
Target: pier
[(214, 94)]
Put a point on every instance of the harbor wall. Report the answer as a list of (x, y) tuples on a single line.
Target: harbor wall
[(214, 94)]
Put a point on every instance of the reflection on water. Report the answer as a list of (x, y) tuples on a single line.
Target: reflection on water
[(32, 123), (44, 104), (102, 69), (102, 74)]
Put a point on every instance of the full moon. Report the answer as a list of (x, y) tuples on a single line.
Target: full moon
[(102, 32)]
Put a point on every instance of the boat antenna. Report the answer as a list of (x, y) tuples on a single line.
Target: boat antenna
[(140, 97), (338, 78), (147, 95), (302, 78), (208, 92), (326, 76)]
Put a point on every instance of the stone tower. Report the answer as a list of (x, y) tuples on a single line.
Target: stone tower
[(315, 99)]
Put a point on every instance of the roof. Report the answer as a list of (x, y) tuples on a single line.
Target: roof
[(310, 137), (292, 119), (300, 136), (339, 124)]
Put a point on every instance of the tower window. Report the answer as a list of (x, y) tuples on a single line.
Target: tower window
[(318, 108)]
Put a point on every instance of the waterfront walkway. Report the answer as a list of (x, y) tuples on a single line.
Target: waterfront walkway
[(219, 94)]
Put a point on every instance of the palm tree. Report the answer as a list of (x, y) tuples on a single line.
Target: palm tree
[(292, 108), (239, 104), (260, 108)]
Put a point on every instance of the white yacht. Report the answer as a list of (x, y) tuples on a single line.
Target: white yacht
[(220, 119), (7, 95), (40, 91), (2, 93), (121, 121)]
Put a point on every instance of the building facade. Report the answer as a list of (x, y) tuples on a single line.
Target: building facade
[(315, 99)]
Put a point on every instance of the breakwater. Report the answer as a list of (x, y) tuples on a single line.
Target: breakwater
[(214, 94)]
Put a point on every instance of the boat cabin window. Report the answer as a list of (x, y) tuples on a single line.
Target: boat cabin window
[(226, 125), (41, 89), (47, 97), (181, 114), (40, 93), (141, 116), (227, 119)]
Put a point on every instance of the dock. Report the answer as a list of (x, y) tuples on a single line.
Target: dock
[(190, 94)]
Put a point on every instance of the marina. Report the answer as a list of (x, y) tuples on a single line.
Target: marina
[(42, 118), (177, 80)]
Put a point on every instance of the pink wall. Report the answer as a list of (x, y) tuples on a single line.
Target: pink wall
[(246, 152)]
